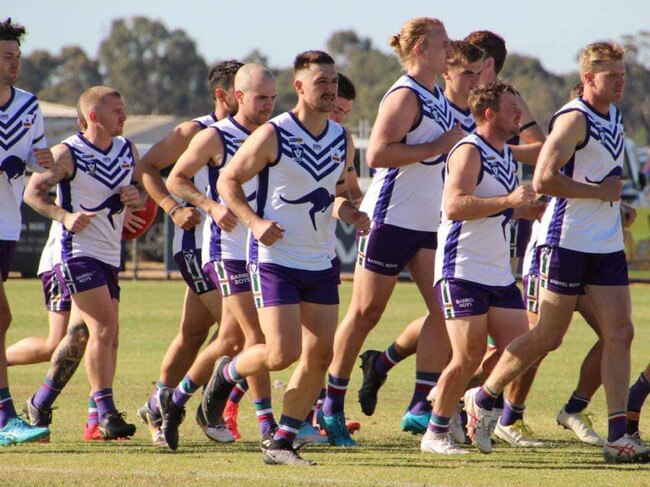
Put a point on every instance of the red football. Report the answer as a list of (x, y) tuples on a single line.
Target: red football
[(148, 214)]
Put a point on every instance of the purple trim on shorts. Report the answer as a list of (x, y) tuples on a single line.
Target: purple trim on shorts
[(190, 266), (229, 276), (451, 250), (276, 285), (81, 274), (7, 252), (56, 296), (385, 194)]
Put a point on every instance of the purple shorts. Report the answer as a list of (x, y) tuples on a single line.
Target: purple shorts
[(387, 249), (189, 263), (566, 271), (519, 236), (7, 252), (464, 298), (336, 268), (275, 285), (228, 276), (81, 274), (56, 297)]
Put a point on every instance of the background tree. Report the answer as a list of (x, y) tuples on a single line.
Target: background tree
[(36, 69), (157, 71), (74, 73)]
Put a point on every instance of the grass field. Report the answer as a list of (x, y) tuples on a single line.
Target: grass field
[(149, 316)]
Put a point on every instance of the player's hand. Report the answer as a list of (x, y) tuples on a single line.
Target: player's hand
[(133, 222), (77, 222), (610, 189), (533, 211), (130, 197), (223, 217), (44, 157), (628, 215), (522, 195), (361, 220), (267, 232), (450, 138), (186, 218)]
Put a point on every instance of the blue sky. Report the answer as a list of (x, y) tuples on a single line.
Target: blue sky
[(551, 30)]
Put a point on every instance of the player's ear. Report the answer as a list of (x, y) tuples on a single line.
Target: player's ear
[(297, 84)]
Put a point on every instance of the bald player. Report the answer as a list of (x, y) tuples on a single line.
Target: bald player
[(202, 303)]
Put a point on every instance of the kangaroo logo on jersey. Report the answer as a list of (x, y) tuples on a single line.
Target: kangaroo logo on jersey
[(617, 171), (13, 167), (113, 204), (320, 200)]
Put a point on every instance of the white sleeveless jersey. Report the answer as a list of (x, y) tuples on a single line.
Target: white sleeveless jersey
[(191, 239), (462, 117), (21, 131), (95, 184), (46, 262), (589, 225), (217, 244), (409, 196), (478, 250), (297, 191)]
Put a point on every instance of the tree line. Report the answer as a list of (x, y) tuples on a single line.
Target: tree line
[(159, 71)]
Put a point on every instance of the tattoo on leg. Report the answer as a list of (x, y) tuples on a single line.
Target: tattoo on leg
[(68, 354)]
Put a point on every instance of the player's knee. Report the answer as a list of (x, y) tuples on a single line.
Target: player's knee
[(621, 335), (106, 335), (320, 358), (194, 337), (368, 317), (232, 345), (550, 344), (282, 359)]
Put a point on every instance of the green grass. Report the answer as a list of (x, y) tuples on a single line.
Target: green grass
[(149, 317)]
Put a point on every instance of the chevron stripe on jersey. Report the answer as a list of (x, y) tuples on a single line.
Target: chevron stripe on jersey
[(297, 191), (95, 186), (570, 222), (109, 167), (409, 196), (462, 117), (478, 250), (317, 159), (17, 120), (21, 131)]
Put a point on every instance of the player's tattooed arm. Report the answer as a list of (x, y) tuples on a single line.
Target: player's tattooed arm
[(37, 192), (68, 354), (205, 148)]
